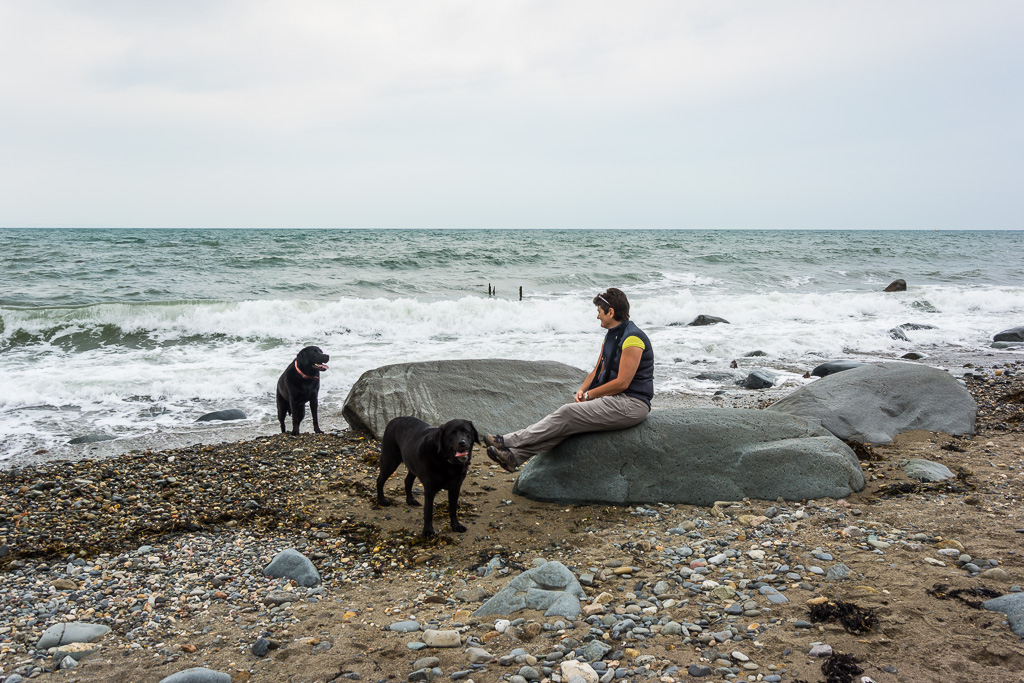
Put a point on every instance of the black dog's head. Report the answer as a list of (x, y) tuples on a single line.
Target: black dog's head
[(455, 441), (312, 360)]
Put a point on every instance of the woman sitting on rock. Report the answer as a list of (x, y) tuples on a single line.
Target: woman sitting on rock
[(615, 395)]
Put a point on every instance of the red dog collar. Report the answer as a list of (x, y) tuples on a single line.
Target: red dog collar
[(304, 375)]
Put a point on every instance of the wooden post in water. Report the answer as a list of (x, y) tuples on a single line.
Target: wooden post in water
[(520, 292)]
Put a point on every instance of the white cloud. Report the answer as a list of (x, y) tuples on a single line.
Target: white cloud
[(136, 94)]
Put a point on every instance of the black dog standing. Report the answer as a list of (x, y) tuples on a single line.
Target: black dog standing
[(437, 456), (300, 384)]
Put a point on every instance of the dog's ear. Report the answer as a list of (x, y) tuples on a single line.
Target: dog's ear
[(476, 435), (436, 440)]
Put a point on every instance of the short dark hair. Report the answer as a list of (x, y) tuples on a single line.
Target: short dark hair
[(615, 299)]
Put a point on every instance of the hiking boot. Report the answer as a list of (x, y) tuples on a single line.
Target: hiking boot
[(502, 457), (496, 440)]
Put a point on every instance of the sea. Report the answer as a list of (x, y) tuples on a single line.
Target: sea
[(130, 335)]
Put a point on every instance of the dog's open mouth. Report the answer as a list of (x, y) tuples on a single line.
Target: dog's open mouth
[(322, 367), (462, 456)]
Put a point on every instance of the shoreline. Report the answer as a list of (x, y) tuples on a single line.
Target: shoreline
[(167, 548), (954, 361)]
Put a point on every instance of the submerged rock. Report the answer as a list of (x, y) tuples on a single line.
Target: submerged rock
[(896, 286), (702, 320), (91, 438)]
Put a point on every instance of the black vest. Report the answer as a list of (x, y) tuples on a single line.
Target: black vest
[(642, 386)]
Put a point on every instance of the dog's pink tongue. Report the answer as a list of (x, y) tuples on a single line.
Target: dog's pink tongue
[(463, 454)]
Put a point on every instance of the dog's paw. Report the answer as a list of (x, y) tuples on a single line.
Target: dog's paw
[(318, 431), (413, 502), (384, 502), (458, 528), (427, 533)]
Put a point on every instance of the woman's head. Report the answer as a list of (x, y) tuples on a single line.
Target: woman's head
[(615, 299)]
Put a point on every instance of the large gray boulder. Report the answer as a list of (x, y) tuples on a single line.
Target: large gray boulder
[(499, 396), (696, 456), (874, 403)]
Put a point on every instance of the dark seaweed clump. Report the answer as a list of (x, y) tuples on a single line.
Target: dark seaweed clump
[(854, 618), (942, 592), (840, 668)]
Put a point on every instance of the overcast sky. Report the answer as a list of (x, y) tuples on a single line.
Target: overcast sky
[(545, 114)]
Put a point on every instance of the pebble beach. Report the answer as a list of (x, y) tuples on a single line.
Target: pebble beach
[(168, 549)]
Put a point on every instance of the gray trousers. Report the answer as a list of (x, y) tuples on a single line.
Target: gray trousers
[(599, 415)]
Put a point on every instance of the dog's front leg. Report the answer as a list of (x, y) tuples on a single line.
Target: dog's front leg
[(298, 412), (428, 512), (453, 508), (312, 411)]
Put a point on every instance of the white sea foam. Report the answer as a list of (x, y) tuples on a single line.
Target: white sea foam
[(131, 368)]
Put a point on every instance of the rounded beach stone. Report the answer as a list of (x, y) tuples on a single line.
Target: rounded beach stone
[(72, 632), (404, 626), (291, 564), (442, 638), (197, 674), (926, 470)]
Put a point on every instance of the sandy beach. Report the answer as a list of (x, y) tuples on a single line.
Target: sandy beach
[(167, 548)]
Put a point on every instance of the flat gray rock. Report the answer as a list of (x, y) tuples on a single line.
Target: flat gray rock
[(926, 470), (71, 632), (1014, 334), (91, 438), (198, 674), (874, 403), (291, 564), (696, 456), (550, 587), (223, 415), (834, 366), (1012, 605), (499, 396)]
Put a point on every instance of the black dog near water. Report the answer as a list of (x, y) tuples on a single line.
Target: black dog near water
[(437, 456), (300, 384)]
